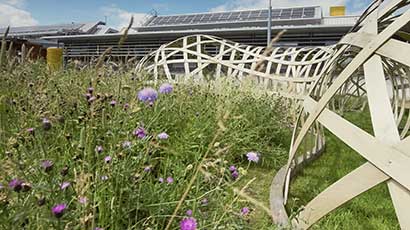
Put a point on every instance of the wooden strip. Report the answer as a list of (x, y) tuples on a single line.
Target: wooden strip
[(346, 74), (392, 162), (394, 49), (355, 183)]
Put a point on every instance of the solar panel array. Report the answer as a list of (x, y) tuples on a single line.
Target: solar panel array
[(250, 15), (42, 29)]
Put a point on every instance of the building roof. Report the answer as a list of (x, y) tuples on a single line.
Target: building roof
[(236, 16), (53, 30), (234, 19)]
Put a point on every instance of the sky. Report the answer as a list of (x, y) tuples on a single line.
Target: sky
[(118, 12)]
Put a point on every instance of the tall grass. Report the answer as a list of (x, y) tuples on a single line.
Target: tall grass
[(126, 192)]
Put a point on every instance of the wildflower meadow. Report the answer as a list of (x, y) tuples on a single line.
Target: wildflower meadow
[(97, 149)]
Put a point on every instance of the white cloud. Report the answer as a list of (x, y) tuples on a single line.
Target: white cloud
[(257, 4), (13, 14), (120, 18), (17, 3)]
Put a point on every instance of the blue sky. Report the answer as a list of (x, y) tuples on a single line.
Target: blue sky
[(34, 12)]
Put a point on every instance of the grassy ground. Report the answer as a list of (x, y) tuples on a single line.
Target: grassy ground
[(211, 127), (371, 210)]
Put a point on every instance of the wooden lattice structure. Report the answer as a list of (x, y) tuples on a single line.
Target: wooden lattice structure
[(374, 57), (370, 63), (288, 71)]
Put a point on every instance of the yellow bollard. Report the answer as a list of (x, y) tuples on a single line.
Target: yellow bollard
[(54, 58)]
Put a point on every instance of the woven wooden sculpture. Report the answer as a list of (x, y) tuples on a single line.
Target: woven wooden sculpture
[(375, 58), (372, 63), (288, 71)]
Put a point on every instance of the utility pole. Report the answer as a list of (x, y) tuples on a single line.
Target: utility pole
[(270, 23)]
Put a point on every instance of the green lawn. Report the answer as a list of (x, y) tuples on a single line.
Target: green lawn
[(371, 210)]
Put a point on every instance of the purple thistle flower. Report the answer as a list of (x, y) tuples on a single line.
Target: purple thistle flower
[(46, 124), (188, 224), (82, 200), (232, 168), (126, 106), (113, 103), (64, 185), (16, 185), (235, 175), (163, 136), (99, 149), (166, 88), (88, 96), (90, 90), (253, 156), (140, 133), (126, 145), (147, 169), (189, 212), (170, 180), (30, 130), (148, 95), (104, 178), (161, 180), (108, 159), (47, 165), (245, 211), (58, 210)]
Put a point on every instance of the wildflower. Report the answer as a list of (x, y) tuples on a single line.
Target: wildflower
[(147, 169), (88, 96), (1, 186), (107, 159), (99, 149), (232, 168), (163, 136), (104, 178), (58, 210), (189, 212), (126, 145), (30, 130), (47, 165), (161, 180), (90, 90), (170, 180), (46, 124), (82, 200), (148, 95), (126, 106), (188, 224), (140, 133), (252, 156), (235, 175), (16, 185), (64, 185), (245, 211), (166, 88), (113, 103), (41, 201)]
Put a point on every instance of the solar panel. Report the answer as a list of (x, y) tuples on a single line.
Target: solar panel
[(242, 16)]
